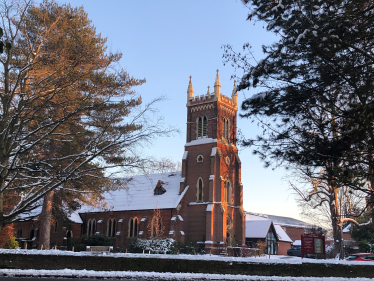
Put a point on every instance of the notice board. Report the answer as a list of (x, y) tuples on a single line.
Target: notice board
[(312, 244)]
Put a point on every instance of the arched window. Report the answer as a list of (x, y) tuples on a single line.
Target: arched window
[(199, 193), (136, 227), (229, 226), (93, 226), (202, 127), (114, 228), (226, 129), (109, 232), (205, 126), (228, 192), (200, 159), (131, 227), (89, 227)]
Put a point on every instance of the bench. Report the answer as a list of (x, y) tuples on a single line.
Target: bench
[(101, 249)]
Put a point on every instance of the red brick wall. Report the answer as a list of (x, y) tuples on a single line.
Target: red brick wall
[(283, 247), (294, 232), (347, 236)]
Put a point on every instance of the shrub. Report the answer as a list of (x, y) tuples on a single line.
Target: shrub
[(93, 240), (6, 233), (192, 248), (261, 246), (365, 246), (363, 233), (168, 246), (11, 243)]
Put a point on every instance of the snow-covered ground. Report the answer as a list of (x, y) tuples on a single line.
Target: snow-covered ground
[(70, 273)]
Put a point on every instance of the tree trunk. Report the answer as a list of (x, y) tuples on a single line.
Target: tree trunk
[(370, 201), (45, 222), (337, 226), (1, 211)]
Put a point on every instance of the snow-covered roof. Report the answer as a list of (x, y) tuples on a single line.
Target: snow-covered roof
[(347, 228), (74, 217), (282, 235), (257, 228), (284, 221), (139, 194), (185, 154), (255, 217), (202, 140), (297, 243)]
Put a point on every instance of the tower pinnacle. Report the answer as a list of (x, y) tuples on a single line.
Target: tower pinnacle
[(217, 86), (234, 94), (208, 93), (190, 90)]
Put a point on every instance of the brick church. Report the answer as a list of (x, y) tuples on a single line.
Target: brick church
[(202, 203)]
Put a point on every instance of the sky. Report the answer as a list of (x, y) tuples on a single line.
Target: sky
[(166, 41)]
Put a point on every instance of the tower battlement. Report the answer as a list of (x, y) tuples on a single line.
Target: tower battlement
[(212, 97)]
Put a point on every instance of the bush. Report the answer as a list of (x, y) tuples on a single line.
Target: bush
[(168, 246), (6, 233), (364, 235), (365, 246), (93, 240), (192, 248), (261, 246), (11, 243)]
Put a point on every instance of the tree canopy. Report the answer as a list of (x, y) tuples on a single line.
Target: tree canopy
[(315, 97), (68, 112)]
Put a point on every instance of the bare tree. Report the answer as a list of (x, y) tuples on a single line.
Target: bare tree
[(328, 204), (68, 113)]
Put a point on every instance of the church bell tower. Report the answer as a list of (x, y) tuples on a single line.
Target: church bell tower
[(211, 170)]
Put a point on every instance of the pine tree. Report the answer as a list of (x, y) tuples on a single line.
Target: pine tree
[(316, 81)]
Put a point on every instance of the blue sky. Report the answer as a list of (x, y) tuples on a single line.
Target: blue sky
[(166, 41)]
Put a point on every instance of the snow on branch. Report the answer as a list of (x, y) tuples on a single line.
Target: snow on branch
[(275, 8), (302, 35)]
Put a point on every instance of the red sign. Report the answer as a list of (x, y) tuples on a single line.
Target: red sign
[(312, 244)]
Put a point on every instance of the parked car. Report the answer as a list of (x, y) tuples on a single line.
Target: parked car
[(361, 257), (295, 251)]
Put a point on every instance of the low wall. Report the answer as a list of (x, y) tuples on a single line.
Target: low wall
[(157, 264)]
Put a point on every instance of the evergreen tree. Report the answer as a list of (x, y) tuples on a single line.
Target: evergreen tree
[(316, 97)]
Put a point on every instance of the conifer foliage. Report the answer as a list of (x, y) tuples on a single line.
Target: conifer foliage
[(315, 97), (68, 113)]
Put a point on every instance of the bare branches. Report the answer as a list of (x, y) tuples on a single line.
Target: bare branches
[(68, 114)]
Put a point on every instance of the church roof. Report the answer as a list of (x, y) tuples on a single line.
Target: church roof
[(284, 221), (257, 228), (282, 235), (139, 194)]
